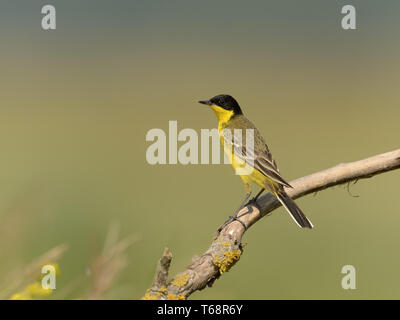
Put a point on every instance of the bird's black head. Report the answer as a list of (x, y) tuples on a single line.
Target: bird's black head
[(224, 101)]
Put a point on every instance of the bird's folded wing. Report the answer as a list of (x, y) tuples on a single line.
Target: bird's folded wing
[(266, 167), (260, 160)]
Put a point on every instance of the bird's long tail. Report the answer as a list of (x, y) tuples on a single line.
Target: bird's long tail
[(295, 212)]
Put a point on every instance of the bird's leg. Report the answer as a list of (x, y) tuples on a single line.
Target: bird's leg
[(242, 205), (234, 217), (254, 199)]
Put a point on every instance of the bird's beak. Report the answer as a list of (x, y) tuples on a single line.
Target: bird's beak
[(207, 102)]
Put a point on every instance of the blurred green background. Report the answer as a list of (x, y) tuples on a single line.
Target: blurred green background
[(77, 102)]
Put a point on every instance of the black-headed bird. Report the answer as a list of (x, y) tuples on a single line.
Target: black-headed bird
[(252, 163)]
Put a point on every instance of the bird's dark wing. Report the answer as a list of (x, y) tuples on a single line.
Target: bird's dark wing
[(258, 157), (267, 166)]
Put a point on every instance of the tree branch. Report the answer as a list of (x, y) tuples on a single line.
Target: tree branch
[(226, 248)]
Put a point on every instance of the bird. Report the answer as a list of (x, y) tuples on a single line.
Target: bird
[(252, 161)]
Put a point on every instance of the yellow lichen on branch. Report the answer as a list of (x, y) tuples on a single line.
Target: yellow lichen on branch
[(227, 261), (180, 280)]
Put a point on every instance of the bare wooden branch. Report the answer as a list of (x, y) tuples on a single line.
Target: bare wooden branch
[(162, 269), (226, 248)]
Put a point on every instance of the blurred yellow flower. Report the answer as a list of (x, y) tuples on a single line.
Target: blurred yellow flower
[(34, 290)]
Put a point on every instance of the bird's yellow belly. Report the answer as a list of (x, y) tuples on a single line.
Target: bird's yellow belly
[(248, 173)]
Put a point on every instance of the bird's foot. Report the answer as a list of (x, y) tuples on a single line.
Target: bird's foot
[(230, 220), (233, 218), (253, 202), (235, 215)]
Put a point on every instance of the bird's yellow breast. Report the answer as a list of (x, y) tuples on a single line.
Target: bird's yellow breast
[(244, 170)]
